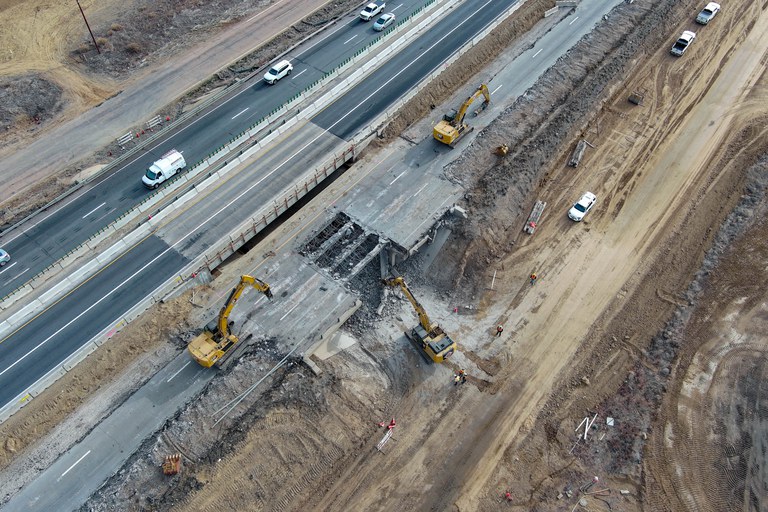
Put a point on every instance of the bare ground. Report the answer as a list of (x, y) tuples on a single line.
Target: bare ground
[(628, 318)]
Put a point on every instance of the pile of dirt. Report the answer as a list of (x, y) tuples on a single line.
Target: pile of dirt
[(26, 101), (716, 443)]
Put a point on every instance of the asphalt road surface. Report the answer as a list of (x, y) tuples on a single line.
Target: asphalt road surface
[(54, 234), (43, 343)]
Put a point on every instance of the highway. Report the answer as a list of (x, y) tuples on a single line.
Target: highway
[(53, 234), (385, 199), (45, 341)]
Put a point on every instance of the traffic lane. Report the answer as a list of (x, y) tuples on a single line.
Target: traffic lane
[(311, 63), (348, 37), (49, 338), (113, 195), (406, 68), (11, 275), (69, 481), (242, 195), (47, 241), (325, 58)]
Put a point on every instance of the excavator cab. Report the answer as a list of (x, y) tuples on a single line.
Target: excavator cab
[(216, 342), (450, 116), (436, 344)]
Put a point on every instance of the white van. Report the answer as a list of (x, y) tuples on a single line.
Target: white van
[(171, 163)]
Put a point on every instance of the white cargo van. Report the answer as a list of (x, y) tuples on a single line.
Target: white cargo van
[(163, 169)]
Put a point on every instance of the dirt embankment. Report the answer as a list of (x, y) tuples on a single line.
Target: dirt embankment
[(707, 448), (559, 108)]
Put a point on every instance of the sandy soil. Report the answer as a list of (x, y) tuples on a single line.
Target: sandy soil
[(651, 312)]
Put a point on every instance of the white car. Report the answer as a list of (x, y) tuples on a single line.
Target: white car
[(4, 257), (582, 206), (371, 10), (706, 14), (384, 21), (683, 43), (278, 71)]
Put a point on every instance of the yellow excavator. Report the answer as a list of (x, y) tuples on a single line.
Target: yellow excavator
[(215, 344), (452, 127), (433, 341)]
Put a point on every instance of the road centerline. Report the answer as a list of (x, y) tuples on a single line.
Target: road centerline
[(90, 212), (73, 465), (241, 112)]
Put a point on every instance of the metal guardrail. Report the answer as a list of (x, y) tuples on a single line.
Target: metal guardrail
[(206, 262), (231, 146), (234, 240)]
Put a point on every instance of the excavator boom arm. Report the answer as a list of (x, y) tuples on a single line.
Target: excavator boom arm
[(423, 317), (481, 91), (245, 280)]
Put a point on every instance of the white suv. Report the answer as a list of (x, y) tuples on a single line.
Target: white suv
[(278, 71), (371, 10), (582, 206)]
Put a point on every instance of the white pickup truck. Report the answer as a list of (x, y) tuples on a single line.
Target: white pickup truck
[(371, 10), (170, 163), (683, 43)]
